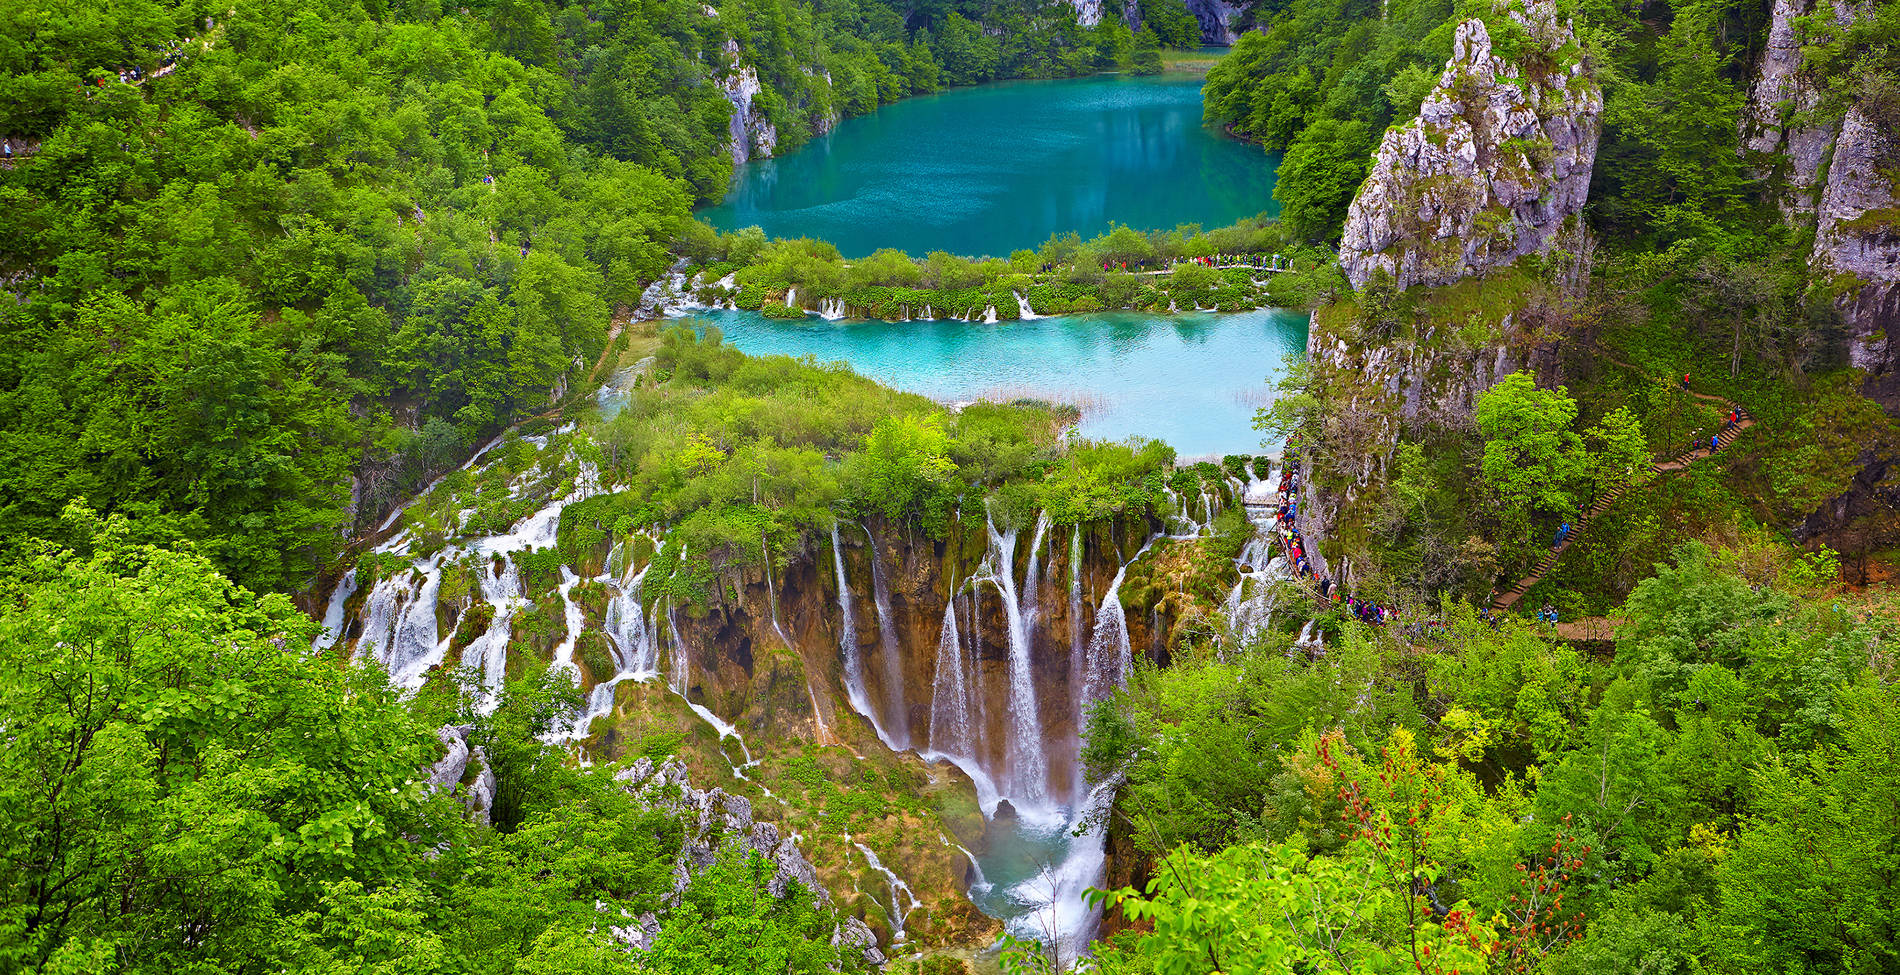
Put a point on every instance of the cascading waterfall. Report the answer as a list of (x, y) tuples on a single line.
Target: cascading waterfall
[(1249, 607), (1077, 644), (1023, 311), (501, 587), (950, 700), (1027, 777), (989, 314), (791, 296), (681, 682), (333, 614), (900, 891), (896, 715), (854, 689), (1109, 655)]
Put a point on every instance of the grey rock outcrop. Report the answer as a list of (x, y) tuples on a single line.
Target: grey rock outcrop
[(751, 134), (1857, 248), (1217, 19), (1777, 121), (1497, 162), (713, 821), (448, 771)]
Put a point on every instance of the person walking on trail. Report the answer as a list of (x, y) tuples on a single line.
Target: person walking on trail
[(1714, 442), (1733, 419), (1563, 532), (1685, 381)]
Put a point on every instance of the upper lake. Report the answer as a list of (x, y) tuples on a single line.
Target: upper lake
[(994, 168)]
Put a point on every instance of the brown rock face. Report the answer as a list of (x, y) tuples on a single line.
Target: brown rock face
[(903, 589)]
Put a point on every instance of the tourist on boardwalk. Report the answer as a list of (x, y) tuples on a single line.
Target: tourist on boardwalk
[(1714, 442), (1563, 532)]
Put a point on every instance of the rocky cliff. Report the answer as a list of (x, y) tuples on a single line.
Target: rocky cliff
[(1496, 163), (1856, 258), (752, 135), (1219, 19), (1779, 126)]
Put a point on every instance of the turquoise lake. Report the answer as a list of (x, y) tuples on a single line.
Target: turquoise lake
[(1192, 380), (994, 168)]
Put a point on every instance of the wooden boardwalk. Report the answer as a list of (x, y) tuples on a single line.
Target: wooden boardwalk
[(1744, 420)]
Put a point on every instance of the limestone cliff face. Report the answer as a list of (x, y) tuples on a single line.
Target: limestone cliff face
[(1497, 161), (1218, 19), (1857, 243), (752, 135), (1776, 125)]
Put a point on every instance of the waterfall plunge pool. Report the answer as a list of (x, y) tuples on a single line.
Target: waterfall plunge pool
[(1192, 381)]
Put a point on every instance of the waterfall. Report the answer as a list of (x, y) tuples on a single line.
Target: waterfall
[(1027, 764), (950, 702), (1109, 655), (682, 663), (1076, 642), (848, 646), (928, 316), (791, 296), (1023, 311), (771, 594), (575, 620), (898, 909), (890, 652), (501, 588), (1250, 605), (989, 314), (333, 621), (831, 309)]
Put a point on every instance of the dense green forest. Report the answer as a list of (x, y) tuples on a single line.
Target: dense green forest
[(273, 268), (309, 255), (1718, 795)]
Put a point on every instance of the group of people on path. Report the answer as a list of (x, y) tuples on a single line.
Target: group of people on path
[(1286, 519)]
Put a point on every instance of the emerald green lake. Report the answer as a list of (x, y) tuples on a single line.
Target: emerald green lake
[(994, 168)]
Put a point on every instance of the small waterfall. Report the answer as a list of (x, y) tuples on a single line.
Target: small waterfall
[(682, 664), (575, 620), (928, 315), (900, 891), (771, 594), (333, 621), (399, 629), (896, 714), (1023, 311), (501, 588), (791, 296), (1110, 657), (989, 314), (831, 309), (848, 646)]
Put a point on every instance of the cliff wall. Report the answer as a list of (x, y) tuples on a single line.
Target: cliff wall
[(1497, 162)]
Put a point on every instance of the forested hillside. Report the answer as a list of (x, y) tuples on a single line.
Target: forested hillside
[(275, 265)]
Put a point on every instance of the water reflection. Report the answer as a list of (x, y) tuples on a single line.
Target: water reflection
[(990, 169), (1192, 380)]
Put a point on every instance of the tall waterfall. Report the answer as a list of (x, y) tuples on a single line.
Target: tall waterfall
[(951, 702), (1028, 771), (848, 646), (896, 715)]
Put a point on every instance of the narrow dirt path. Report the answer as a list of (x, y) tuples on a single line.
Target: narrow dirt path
[(1509, 597)]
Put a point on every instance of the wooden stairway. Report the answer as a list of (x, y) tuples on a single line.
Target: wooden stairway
[(1743, 421)]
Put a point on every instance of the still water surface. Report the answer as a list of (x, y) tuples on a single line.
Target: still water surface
[(994, 168), (1193, 380)]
